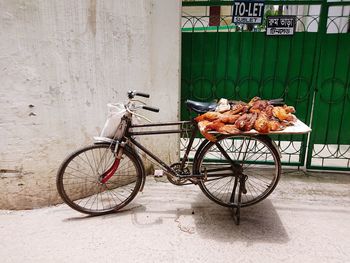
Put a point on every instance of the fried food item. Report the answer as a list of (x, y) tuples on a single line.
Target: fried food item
[(268, 111), (241, 121), (282, 114), (237, 108), (253, 100), (229, 129), (262, 123), (275, 125), (289, 109), (215, 125), (209, 116), (202, 125), (246, 121), (251, 121), (259, 106), (229, 119)]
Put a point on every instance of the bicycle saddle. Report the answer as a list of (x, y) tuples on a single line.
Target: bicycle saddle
[(200, 107)]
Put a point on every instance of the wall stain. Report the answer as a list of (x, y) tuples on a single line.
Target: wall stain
[(92, 16)]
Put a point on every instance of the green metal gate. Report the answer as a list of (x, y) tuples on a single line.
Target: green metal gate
[(310, 70)]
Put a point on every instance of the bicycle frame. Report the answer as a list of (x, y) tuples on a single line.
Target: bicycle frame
[(239, 179), (126, 132), (194, 128)]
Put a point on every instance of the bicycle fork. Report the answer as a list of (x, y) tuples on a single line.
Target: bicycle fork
[(111, 171), (119, 149)]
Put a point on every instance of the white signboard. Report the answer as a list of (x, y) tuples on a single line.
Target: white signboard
[(280, 25), (248, 12)]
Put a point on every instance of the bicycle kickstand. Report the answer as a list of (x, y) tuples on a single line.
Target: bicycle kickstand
[(237, 210)]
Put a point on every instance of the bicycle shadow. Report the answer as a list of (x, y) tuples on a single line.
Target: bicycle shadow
[(125, 211), (200, 216), (259, 223)]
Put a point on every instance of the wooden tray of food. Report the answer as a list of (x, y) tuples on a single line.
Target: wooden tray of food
[(255, 117), (298, 127)]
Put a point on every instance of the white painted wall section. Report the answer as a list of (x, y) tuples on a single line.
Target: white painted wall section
[(61, 62)]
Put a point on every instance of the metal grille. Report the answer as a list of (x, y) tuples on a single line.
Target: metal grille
[(239, 62)]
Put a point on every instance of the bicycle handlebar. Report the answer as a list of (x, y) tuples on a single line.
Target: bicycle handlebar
[(141, 94), (154, 109), (132, 94)]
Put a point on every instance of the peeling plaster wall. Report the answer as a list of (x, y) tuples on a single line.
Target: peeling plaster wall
[(61, 62)]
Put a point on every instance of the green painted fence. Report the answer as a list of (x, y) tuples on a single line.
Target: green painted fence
[(310, 70)]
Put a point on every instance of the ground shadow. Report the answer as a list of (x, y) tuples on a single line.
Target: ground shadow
[(196, 214), (259, 223)]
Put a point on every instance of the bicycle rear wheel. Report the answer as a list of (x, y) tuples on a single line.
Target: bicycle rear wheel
[(226, 160), (79, 179)]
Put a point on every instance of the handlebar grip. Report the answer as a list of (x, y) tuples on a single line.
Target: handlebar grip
[(142, 95), (150, 108)]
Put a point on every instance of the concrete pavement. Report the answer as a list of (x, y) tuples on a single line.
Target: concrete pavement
[(306, 219)]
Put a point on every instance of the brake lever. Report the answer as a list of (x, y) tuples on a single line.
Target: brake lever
[(132, 112)]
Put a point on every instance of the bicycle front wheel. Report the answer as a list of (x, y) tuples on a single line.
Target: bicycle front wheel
[(79, 180), (227, 160)]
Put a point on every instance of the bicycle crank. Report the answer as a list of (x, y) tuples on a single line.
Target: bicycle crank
[(175, 179)]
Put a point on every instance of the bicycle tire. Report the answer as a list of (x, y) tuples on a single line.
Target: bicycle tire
[(78, 179), (261, 180)]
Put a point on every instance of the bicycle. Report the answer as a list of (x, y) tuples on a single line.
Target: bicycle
[(235, 171)]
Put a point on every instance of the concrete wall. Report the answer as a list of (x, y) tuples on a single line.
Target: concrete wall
[(60, 63)]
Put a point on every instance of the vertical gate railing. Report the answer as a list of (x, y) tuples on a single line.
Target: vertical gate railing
[(228, 61), (329, 146)]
